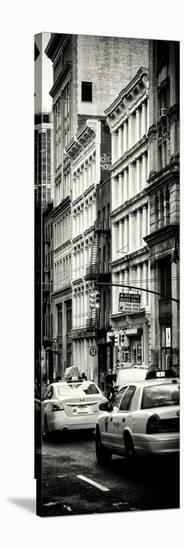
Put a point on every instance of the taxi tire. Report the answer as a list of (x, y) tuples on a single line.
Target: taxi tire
[(103, 455), (129, 447)]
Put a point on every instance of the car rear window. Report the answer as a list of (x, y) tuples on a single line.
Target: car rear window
[(160, 396), (89, 389), (64, 390)]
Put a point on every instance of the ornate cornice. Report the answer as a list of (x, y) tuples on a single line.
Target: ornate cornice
[(162, 234), (137, 86), (163, 176), (61, 207), (58, 83), (127, 258), (128, 154), (55, 42)]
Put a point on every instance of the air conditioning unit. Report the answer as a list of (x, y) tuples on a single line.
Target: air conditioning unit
[(163, 112)]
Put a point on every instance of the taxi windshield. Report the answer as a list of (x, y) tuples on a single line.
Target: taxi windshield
[(160, 396)]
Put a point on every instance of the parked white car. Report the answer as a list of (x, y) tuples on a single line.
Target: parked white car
[(143, 419), (72, 406)]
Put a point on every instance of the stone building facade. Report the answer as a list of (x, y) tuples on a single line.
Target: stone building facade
[(163, 190), (88, 72), (128, 120)]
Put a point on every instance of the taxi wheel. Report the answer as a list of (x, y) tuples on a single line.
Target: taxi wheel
[(129, 447), (103, 455)]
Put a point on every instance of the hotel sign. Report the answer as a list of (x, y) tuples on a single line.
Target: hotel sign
[(129, 302)]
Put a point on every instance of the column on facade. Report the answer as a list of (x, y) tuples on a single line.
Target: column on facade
[(149, 283), (85, 255), (114, 241), (126, 187), (121, 189), (139, 279), (125, 136), (144, 119), (144, 283), (145, 230), (74, 224), (114, 146), (121, 279), (138, 228), (126, 240), (130, 187), (131, 232), (137, 124), (130, 131), (120, 142), (117, 202), (94, 169), (138, 176), (82, 259), (74, 310), (94, 209), (144, 170), (120, 244), (126, 278), (79, 307), (85, 216), (90, 172)]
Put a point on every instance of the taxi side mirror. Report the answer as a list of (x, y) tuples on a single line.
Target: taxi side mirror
[(104, 406)]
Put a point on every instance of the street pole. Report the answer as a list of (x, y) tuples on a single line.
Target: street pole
[(138, 288)]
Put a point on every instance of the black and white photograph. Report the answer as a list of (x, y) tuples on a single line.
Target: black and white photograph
[(92, 273), (107, 273)]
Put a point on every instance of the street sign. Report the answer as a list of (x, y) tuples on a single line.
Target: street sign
[(92, 351), (129, 302)]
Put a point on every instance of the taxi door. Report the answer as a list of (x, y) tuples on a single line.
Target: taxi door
[(110, 422), (123, 418)]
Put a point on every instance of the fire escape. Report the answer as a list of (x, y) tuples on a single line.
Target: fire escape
[(97, 271)]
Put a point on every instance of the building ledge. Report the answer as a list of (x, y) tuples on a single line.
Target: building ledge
[(128, 154)]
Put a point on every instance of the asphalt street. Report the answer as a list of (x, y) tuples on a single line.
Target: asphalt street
[(74, 483)]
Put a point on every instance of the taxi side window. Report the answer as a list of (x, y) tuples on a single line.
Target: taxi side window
[(117, 399), (127, 398)]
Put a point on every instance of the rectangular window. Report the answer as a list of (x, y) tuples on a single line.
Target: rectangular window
[(165, 277), (68, 315), (86, 91), (59, 319)]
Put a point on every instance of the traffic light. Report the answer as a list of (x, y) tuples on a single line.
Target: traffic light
[(92, 300), (122, 339), (97, 301), (116, 339)]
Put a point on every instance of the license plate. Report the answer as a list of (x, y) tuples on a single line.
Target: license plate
[(82, 410)]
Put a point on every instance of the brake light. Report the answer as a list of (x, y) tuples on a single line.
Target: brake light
[(57, 407), (154, 425)]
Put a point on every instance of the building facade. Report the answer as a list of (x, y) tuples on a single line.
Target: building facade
[(88, 72), (163, 189), (86, 151), (47, 290), (128, 121), (43, 158)]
